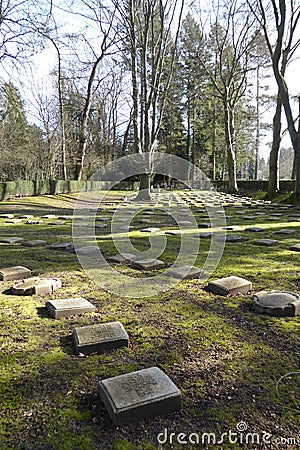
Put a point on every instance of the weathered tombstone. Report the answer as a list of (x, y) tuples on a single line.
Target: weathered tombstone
[(229, 238), (57, 223), (122, 258), (34, 222), (14, 273), (139, 395), (148, 264), (88, 250), (63, 246), (150, 230), (49, 216), (283, 304), (12, 240), (14, 221), (265, 242), (36, 286), (285, 231), (69, 307), (186, 272), (34, 243), (295, 247), (103, 336), (254, 229), (26, 216), (7, 216), (174, 232), (229, 285)]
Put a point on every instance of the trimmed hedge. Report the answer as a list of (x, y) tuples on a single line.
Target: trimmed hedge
[(27, 188)]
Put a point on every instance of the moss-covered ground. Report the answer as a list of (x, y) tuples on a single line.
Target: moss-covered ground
[(233, 366)]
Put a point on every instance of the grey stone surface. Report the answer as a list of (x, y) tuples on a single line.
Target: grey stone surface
[(254, 229), (229, 285), (34, 243), (49, 216), (139, 395), (103, 336), (295, 247), (14, 273), (14, 221), (148, 264), (7, 216), (26, 216), (150, 230), (186, 272), (12, 240), (174, 232), (69, 307), (283, 304), (286, 231), (88, 250), (122, 258), (229, 238), (265, 242), (204, 225), (63, 246), (57, 223), (36, 286), (34, 222)]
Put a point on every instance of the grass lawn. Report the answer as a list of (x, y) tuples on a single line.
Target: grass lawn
[(235, 368)]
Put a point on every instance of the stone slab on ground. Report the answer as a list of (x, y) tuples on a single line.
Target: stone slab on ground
[(186, 272), (139, 395), (265, 242), (34, 222), (69, 307), (63, 246), (36, 286), (174, 232), (295, 247), (285, 231), (34, 243), (280, 304), (254, 229), (7, 216), (88, 250), (49, 216), (229, 238), (122, 258), (150, 230), (148, 264), (14, 273), (12, 240), (103, 336), (58, 223), (14, 221), (229, 285)]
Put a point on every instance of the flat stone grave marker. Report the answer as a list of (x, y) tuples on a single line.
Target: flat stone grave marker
[(230, 285), (49, 216), (26, 216), (148, 264), (174, 232), (69, 307), (249, 217), (185, 222), (14, 221), (295, 247), (34, 243), (285, 231), (64, 246), (88, 250), (139, 395), (7, 216), (14, 273), (283, 304), (65, 217), (204, 225), (58, 223), (101, 225), (103, 336), (204, 235), (122, 258), (229, 238), (150, 230), (186, 272), (12, 240), (265, 242), (34, 222), (36, 286), (294, 219), (232, 228), (254, 229)]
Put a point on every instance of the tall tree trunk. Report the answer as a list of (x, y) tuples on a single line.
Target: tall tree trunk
[(257, 137), (231, 157), (273, 184), (144, 189)]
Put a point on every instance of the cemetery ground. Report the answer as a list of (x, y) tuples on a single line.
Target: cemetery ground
[(231, 364)]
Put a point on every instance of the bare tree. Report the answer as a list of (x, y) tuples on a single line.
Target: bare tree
[(151, 46), (281, 20), (232, 38)]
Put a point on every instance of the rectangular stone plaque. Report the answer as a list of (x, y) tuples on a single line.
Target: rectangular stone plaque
[(148, 264), (103, 336), (11, 240), (139, 395), (69, 307), (14, 273), (230, 285)]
